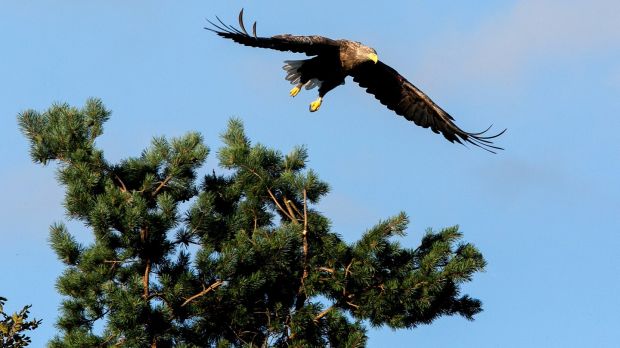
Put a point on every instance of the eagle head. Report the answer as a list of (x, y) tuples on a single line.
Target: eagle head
[(368, 53), (354, 54)]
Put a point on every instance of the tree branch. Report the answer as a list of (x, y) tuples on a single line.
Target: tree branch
[(346, 275), (275, 200), (295, 208), (162, 184), (147, 270), (212, 287), (323, 313), (145, 279), (316, 320), (305, 239), (291, 212), (273, 197), (301, 293), (123, 187), (353, 305)]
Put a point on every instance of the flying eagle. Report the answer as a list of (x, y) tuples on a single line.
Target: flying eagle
[(334, 60)]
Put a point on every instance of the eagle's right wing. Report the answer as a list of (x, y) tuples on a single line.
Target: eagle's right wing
[(405, 99), (310, 45)]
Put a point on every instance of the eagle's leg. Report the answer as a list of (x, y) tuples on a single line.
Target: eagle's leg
[(296, 89), (324, 87), (315, 105), (295, 75)]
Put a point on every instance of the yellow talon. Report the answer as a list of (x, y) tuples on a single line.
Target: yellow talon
[(295, 91), (315, 105)]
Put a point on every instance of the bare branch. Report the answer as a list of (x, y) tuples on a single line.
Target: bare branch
[(346, 270), (323, 313), (289, 206), (316, 319), (123, 187), (353, 305), (212, 287), (273, 197), (144, 234), (162, 184), (346, 275), (295, 208), (145, 279)]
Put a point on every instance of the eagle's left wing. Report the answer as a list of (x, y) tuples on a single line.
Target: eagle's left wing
[(310, 45), (401, 96)]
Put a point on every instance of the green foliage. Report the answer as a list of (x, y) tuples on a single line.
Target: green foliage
[(12, 327), (263, 267)]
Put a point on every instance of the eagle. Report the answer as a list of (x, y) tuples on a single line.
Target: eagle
[(333, 60)]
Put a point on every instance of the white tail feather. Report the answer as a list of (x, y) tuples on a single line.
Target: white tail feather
[(291, 67), (293, 76), (292, 64), (313, 83)]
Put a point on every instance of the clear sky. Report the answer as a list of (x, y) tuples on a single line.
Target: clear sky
[(545, 212)]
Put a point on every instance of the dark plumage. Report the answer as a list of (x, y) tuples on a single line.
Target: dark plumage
[(334, 60)]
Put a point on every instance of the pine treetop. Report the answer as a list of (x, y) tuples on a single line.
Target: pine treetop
[(250, 262)]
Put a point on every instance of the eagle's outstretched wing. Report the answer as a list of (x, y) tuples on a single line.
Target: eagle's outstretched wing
[(401, 96), (310, 45)]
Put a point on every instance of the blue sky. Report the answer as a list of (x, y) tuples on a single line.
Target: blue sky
[(544, 212)]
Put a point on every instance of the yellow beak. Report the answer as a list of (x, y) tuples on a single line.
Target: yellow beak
[(373, 57)]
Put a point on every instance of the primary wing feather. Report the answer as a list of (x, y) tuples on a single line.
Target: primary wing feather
[(310, 45), (401, 96)]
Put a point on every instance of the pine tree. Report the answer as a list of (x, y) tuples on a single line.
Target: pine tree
[(250, 262), (12, 327)]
